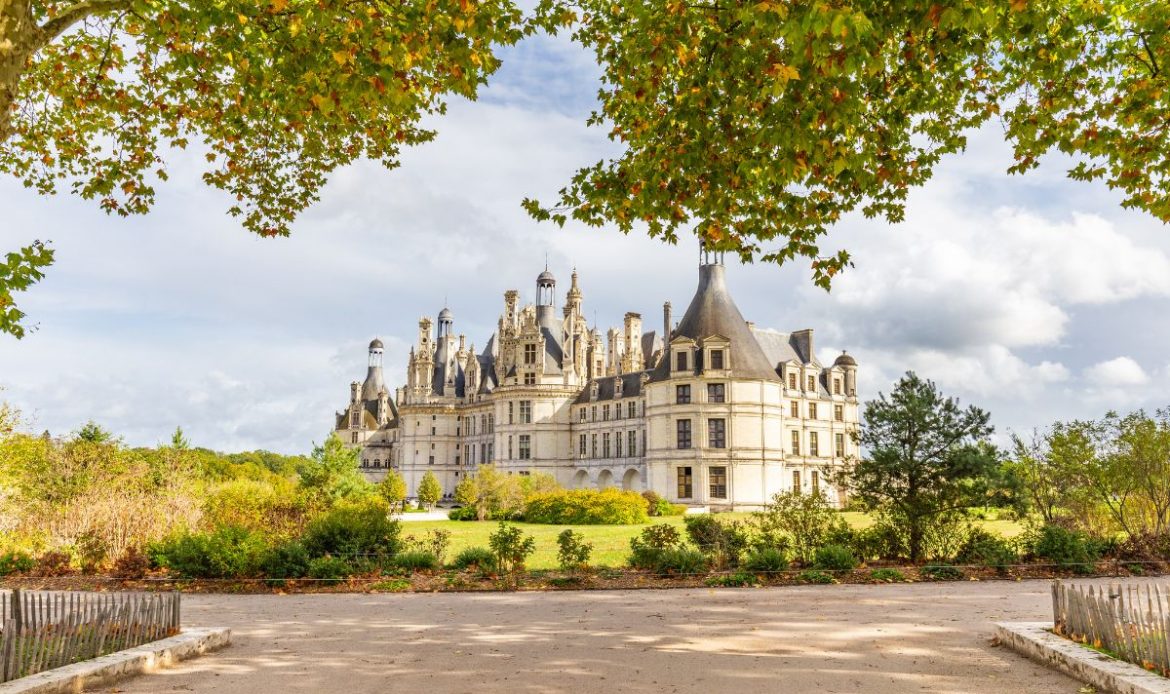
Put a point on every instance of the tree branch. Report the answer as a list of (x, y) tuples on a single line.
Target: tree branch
[(77, 12)]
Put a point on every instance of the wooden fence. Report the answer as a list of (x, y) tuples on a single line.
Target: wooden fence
[(44, 630), (1131, 622)]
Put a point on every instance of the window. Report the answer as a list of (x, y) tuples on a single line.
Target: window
[(605, 445), (812, 383), (836, 386), (717, 476), (430, 460), (491, 452), (631, 409), (529, 354), (456, 460), (716, 359), (509, 448), (605, 413), (582, 448), (529, 378), (483, 458), (593, 414), (812, 410), (617, 410), (795, 442), (581, 414), (792, 381), (632, 440), (525, 447), (526, 412), (683, 429), (716, 392), (432, 431), (377, 462), (839, 413), (680, 361), (593, 446), (685, 490), (794, 410), (717, 433), (839, 439), (682, 394), (813, 448), (365, 462), (796, 481), (617, 444), (354, 437), (816, 482), (511, 413), (356, 418)]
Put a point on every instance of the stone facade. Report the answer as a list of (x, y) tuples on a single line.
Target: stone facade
[(719, 414)]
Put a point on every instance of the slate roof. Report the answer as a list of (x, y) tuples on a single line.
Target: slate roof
[(631, 387)]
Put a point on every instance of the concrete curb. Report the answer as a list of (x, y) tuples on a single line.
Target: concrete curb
[(134, 661), (1035, 641)]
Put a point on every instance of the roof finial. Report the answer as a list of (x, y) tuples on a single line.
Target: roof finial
[(546, 260)]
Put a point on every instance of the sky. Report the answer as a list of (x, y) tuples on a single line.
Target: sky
[(1034, 297)]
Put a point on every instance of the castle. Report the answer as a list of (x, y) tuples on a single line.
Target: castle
[(709, 412)]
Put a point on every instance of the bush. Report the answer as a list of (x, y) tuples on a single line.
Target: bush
[(415, 560), (986, 549), (464, 513), (329, 568), (812, 576), (433, 542), (723, 541), (572, 550), (766, 560), (876, 542), (652, 500), (1071, 549), (354, 528), (54, 564), (478, 557), (834, 558), (941, 572), (738, 579), (285, 560), (680, 560), (887, 576), (646, 548), (132, 565), (1147, 547), (16, 562), (511, 547), (228, 552), (586, 507), (804, 520)]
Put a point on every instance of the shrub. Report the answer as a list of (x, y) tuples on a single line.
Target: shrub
[(766, 560), (941, 572), (354, 528), (433, 542), (329, 568), (511, 547), (1147, 547), (652, 542), (478, 557), (1068, 548), (54, 564), (572, 550), (228, 552), (657, 506), (680, 560), (738, 579), (805, 520), (464, 513), (397, 585), (723, 541), (285, 560), (586, 507), (652, 499), (16, 562), (132, 565), (986, 549), (875, 542), (813, 576), (415, 560), (834, 558), (887, 576)]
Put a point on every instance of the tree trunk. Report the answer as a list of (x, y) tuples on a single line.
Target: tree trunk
[(18, 33), (915, 539)]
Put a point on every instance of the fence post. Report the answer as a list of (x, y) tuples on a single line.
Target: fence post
[(17, 610)]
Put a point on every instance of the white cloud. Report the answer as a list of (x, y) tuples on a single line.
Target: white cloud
[(1119, 372)]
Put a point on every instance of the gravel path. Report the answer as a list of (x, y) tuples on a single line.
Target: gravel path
[(927, 637)]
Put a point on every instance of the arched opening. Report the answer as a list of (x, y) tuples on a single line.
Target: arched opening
[(581, 479), (632, 480), (605, 479)]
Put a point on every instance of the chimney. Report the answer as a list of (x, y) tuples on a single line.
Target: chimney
[(666, 323), (804, 344)]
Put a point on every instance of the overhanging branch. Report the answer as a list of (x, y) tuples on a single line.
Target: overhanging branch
[(77, 12)]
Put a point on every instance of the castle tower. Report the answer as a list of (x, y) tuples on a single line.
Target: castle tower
[(373, 384)]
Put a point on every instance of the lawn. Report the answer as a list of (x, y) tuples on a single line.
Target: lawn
[(611, 543)]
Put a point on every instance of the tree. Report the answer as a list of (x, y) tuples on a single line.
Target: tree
[(429, 490), (802, 521), (332, 473), (179, 440), (392, 489), (499, 494), (467, 491), (927, 459), (92, 432), (275, 94), (757, 126)]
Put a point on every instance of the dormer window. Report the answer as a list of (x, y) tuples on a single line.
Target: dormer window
[(617, 387), (593, 388), (529, 378), (792, 381), (680, 361), (812, 383), (836, 386), (717, 359)]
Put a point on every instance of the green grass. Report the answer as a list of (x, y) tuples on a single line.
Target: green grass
[(611, 543)]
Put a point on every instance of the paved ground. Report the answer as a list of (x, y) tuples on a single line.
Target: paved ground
[(930, 637)]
